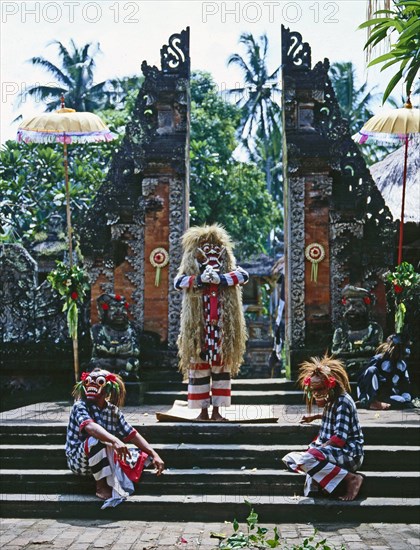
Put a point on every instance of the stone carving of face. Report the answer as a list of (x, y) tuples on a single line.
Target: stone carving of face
[(113, 310), (55, 224), (211, 254), (356, 312)]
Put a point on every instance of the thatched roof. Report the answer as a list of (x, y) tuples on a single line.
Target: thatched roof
[(388, 175)]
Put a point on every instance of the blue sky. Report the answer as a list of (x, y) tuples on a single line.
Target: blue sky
[(131, 31)]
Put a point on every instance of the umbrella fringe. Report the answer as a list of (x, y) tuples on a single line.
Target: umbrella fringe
[(29, 136), (379, 137)]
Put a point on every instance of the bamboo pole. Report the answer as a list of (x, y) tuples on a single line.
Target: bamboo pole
[(401, 238), (69, 236)]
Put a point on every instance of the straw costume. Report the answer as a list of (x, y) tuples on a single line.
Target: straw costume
[(337, 452), (212, 336)]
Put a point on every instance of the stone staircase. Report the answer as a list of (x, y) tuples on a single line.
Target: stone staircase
[(214, 468)]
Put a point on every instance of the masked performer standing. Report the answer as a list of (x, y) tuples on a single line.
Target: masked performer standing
[(212, 337), (334, 456), (97, 437)]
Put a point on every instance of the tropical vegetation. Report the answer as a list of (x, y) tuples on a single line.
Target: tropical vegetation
[(224, 189), (397, 28), (355, 104), (258, 99)]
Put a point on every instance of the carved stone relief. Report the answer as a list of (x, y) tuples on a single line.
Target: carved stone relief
[(296, 264)]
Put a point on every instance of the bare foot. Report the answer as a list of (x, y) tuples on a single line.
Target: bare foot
[(379, 406), (103, 490), (203, 417), (353, 483), (217, 417)]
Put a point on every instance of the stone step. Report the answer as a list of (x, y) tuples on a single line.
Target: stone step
[(277, 397), (249, 384), (188, 432), (247, 483), (212, 508), (377, 457)]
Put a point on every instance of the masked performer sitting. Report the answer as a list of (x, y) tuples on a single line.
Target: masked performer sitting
[(334, 456), (385, 382), (213, 333), (97, 437)]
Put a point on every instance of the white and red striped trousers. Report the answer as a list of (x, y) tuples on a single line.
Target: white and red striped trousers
[(208, 384), (317, 468)]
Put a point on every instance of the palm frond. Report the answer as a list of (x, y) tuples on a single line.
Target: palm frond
[(50, 67)]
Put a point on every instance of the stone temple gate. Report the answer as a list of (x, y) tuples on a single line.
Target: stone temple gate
[(333, 209), (330, 201), (143, 206)]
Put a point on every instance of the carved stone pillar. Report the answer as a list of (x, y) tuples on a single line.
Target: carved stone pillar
[(143, 205), (330, 200)]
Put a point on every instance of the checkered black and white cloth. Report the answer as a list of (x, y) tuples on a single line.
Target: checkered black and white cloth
[(82, 413), (326, 467), (340, 423)]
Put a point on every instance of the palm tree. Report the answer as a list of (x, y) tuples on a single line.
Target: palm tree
[(396, 29), (355, 105), (354, 102), (261, 112), (74, 79)]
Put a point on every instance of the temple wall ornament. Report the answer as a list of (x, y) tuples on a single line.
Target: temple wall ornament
[(330, 199), (295, 236), (143, 205)]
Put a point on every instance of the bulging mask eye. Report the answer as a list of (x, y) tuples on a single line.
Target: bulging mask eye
[(87, 380), (206, 248), (101, 380)]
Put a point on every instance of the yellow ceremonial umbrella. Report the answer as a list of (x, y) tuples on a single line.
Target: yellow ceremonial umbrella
[(391, 126), (65, 126)]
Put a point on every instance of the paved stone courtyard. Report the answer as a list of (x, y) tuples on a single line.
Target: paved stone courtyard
[(47, 534)]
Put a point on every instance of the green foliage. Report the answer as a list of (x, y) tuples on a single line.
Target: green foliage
[(73, 78), (355, 105), (402, 23), (223, 189), (261, 113), (404, 294), (32, 185), (72, 284), (257, 537)]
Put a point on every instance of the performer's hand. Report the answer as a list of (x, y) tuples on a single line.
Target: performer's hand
[(306, 419), (121, 450), (158, 463), (214, 276), (207, 275)]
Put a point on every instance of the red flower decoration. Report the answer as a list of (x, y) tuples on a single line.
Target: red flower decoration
[(367, 300), (84, 376), (111, 377), (398, 289), (74, 295), (343, 301), (126, 305), (105, 306), (118, 297), (331, 382), (307, 381)]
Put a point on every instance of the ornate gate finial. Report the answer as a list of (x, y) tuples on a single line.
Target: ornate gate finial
[(174, 57), (296, 54)]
